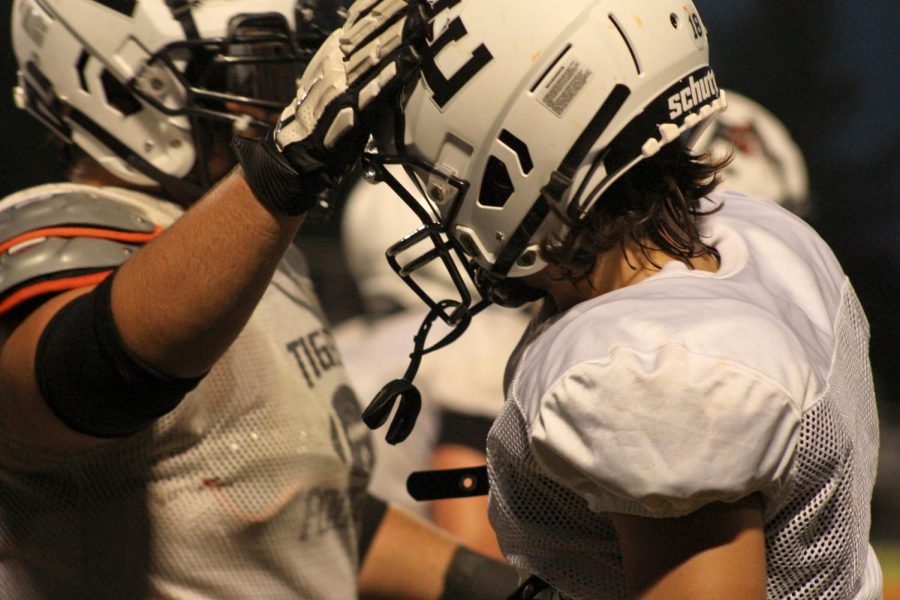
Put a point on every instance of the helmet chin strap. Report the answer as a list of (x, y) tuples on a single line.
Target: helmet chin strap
[(402, 391), (508, 292), (178, 189)]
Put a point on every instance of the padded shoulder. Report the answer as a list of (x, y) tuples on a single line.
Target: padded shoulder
[(662, 434), (57, 238)]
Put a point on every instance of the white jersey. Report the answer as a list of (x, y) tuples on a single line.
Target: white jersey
[(694, 387), (465, 377), (246, 490)]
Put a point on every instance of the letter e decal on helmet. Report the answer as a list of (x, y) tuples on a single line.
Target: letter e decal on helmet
[(442, 87)]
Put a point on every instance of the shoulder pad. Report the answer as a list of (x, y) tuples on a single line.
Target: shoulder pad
[(65, 240)]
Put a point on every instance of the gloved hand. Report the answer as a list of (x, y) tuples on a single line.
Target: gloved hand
[(322, 133)]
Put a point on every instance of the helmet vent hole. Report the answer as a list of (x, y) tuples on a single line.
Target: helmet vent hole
[(126, 7), (520, 148), (80, 66), (628, 44), (118, 96), (550, 68), (673, 19), (496, 185), (468, 244)]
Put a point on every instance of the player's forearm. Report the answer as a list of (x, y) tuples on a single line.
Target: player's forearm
[(465, 518), (410, 559), (181, 301), (177, 305), (407, 559)]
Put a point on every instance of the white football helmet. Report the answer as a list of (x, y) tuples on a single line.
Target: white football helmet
[(766, 162), (140, 85), (524, 103)]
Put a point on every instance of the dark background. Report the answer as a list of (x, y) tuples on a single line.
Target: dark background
[(828, 69), (831, 71)]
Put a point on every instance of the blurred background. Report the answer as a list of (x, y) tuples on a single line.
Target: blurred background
[(829, 70)]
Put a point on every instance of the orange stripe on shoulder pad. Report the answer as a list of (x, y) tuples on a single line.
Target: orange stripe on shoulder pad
[(50, 286), (128, 237)]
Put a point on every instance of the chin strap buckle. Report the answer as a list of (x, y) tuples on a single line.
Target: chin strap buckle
[(402, 391), (448, 483)]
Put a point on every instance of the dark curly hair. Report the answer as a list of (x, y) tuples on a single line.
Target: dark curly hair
[(655, 206)]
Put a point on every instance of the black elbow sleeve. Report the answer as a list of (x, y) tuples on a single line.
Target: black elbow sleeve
[(371, 513), (472, 576), (91, 381)]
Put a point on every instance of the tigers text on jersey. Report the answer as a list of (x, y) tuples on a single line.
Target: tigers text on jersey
[(247, 490), (693, 387)]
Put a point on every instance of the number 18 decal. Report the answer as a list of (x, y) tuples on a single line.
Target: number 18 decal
[(696, 28), (696, 25)]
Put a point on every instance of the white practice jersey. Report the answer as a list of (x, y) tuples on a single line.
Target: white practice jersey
[(694, 387), (247, 490)]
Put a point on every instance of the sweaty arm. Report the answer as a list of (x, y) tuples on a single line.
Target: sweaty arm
[(715, 552), (411, 559), (462, 444), (177, 304)]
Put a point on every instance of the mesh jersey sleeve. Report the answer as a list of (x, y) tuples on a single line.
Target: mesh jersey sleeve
[(663, 434)]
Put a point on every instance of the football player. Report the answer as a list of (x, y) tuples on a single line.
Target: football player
[(175, 420), (691, 415), (451, 431)]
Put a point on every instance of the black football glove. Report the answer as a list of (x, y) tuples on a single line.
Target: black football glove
[(320, 135)]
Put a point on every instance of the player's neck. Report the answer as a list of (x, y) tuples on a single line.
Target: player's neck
[(615, 269)]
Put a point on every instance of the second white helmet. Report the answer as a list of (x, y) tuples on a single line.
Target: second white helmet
[(145, 87), (765, 160)]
